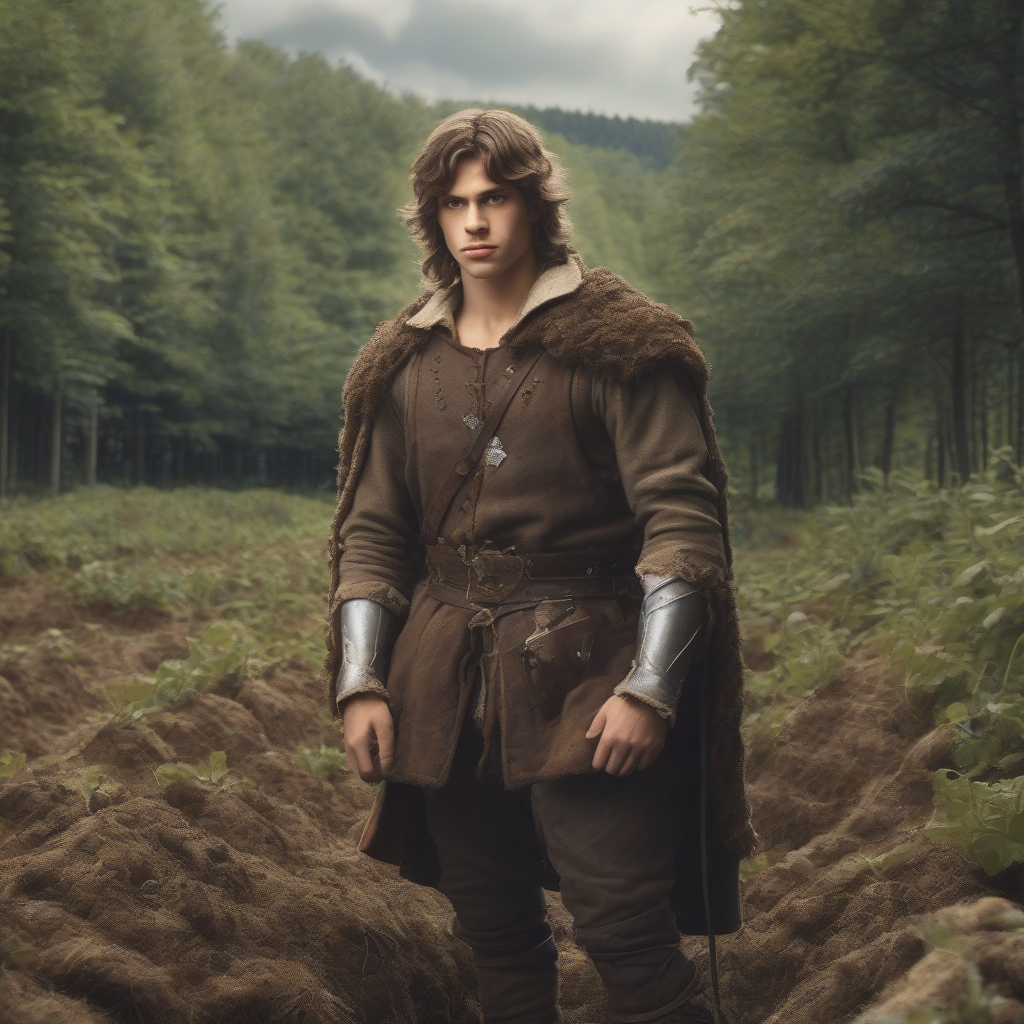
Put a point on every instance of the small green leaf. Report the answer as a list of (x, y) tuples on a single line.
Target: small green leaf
[(10, 762), (168, 774)]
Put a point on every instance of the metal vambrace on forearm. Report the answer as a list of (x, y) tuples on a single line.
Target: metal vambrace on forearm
[(368, 632), (673, 617)]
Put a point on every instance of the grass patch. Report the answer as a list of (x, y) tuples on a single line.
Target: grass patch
[(82, 526), (933, 579)]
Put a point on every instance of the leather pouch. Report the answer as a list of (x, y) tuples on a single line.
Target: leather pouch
[(556, 654)]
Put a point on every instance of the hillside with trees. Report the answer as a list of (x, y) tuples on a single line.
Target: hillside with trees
[(848, 233), (195, 242)]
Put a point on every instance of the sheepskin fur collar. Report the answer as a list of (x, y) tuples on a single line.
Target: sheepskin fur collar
[(601, 323)]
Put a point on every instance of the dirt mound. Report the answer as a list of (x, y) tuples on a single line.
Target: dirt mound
[(976, 965), (839, 801), (234, 897), (237, 896), (210, 902)]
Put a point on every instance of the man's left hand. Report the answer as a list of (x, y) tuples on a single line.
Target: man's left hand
[(632, 736)]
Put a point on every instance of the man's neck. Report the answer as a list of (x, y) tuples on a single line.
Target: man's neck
[(489, 307)]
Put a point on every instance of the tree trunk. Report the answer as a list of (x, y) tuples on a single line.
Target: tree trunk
[(982, 414), (819, 477), (93, 440), (972, 408), (888, 441), (789, 477), (850, 437), (754, 481), (1020, 407), (140, 449), (1010, 438), (960, 441), (1015, 216), (55, 442), (5, 415), (940, 435)]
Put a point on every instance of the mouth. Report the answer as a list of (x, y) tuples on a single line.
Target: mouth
[(478, 251)]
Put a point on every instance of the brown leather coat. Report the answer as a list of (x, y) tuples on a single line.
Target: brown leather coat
[(608, 451)]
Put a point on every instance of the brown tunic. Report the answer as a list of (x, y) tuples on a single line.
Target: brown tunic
[(578, 464), (634, 426)]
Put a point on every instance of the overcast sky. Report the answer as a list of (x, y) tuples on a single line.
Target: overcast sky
[(626, 57)]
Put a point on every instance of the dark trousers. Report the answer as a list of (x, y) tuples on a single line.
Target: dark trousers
[(613, 843)]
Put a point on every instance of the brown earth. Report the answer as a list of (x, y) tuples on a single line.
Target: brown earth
[(207, 903)]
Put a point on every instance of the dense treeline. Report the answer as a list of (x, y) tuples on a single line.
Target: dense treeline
[(195, 240), (848, 231), (194, 243)]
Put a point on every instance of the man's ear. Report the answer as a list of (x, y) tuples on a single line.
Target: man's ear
[(536, 212)]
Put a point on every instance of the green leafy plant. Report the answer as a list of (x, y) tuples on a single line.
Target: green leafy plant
[(322, 760), (137, 588), (98, 788), (985, 819), (225, 652), (933, 579), (10, 762), (212, 772)]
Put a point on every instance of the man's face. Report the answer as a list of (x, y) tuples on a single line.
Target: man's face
[(488, 227)]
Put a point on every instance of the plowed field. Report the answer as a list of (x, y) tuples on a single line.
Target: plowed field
[(181, 848)]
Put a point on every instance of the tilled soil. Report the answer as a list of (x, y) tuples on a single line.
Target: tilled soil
[(234, 904)]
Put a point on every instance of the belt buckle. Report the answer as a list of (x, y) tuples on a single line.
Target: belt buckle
[(494, 576)]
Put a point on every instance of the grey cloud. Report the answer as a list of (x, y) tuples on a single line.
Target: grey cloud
[(488, 47), (494, 53)]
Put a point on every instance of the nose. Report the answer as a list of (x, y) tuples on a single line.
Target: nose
[(475, 220)]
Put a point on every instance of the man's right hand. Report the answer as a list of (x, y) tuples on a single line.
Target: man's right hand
[(369, 736)]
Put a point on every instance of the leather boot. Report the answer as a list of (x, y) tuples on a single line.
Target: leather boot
[(646, 978), (518, 975)]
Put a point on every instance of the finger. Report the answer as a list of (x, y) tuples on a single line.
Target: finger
[(630, 764), (615, 760), (364, 764), (364, 757), (603, 752), (597, 725), (386, 744)]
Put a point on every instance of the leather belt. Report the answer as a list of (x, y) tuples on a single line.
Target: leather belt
[(494, 577)]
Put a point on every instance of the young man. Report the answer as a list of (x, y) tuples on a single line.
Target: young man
[(530, 551)]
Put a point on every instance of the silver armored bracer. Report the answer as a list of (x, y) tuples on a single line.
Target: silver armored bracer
[(673, 619), (368, 632)]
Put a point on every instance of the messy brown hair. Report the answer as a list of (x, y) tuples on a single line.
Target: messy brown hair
[(513, 154)]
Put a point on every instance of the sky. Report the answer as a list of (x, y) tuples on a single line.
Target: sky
[(626, 57)]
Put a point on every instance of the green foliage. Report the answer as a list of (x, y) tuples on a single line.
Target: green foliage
[(934, 579), (84, 527), (98, 788), (203, 237), (987, 820), (843, 209), (213, 772), (138, 589), (322, 761), (10, 762), (808, 655), (225, 653)]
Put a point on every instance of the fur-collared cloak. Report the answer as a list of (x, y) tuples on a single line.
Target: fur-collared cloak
[(612, 329)]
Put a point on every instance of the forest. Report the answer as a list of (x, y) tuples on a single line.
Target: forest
[(195, 240)]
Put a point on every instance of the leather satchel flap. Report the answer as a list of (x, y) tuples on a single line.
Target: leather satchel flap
[(557, 652)]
